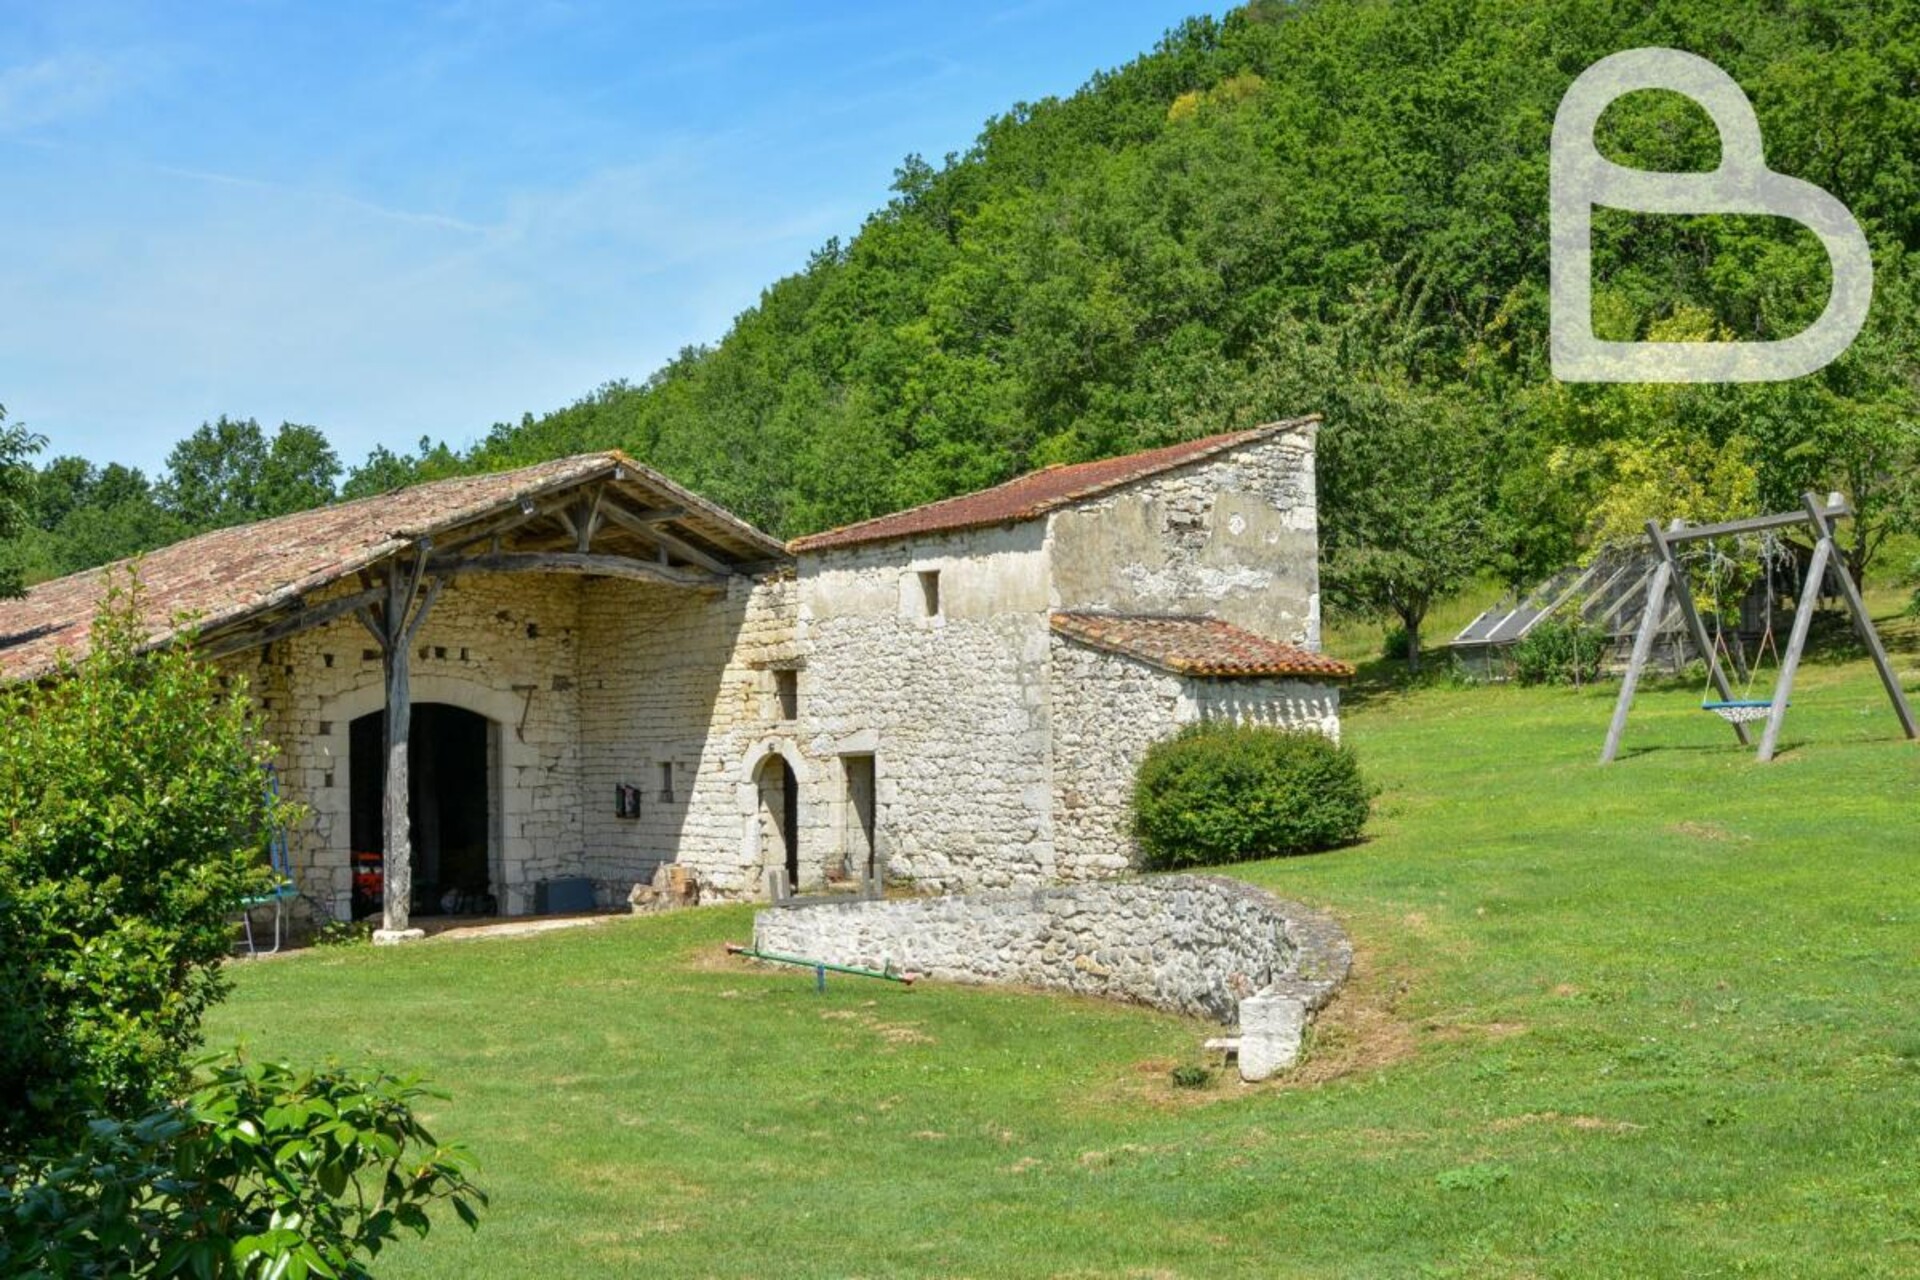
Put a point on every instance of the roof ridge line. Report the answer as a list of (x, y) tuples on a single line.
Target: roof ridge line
[(1149, 462)]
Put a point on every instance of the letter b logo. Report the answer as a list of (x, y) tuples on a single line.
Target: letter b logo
[(1582, 178)]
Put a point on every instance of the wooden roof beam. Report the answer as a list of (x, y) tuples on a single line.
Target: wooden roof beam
[(604, 566), (648, 525)]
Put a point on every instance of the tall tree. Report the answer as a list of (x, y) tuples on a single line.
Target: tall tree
[(213, 475), (17, 485), (229, 472), (1405, 480), (299, 472)]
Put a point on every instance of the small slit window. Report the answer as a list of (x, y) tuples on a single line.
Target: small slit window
[(666, 780), (786, 695), (929, 593)]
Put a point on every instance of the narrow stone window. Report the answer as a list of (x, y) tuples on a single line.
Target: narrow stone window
[(786, 694), (666, 780), (929, 593)]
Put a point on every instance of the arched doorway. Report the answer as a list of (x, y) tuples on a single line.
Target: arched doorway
[(779, 816), (448, 809)]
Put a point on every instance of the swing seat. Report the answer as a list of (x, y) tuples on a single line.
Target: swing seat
[(1740, 710)]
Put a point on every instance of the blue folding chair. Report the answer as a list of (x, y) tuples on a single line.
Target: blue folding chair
[(283, 890)]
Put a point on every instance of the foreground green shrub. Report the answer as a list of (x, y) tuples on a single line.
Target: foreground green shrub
[(262, 1171), (1218, 792), (1560, 651), (133, 818)]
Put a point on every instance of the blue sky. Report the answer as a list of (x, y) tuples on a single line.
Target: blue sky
[(391, 222)]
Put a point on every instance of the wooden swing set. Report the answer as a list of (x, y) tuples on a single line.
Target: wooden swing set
[(1739, 712)]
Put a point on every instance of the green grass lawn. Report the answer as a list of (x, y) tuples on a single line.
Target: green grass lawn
[(1657, 1019)]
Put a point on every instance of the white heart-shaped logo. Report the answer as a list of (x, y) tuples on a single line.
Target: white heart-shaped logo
[(1582, 178)]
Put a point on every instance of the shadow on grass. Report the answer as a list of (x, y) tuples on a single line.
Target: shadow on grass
[(1702, 748)]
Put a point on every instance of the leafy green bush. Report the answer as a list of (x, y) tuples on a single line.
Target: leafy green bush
[(263, 1171), (344, 933), (133, 813), (1218, 792), (1190, 1075), (1560, 651)]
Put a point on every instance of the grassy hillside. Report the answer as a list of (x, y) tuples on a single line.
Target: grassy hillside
[(1654, 1019)]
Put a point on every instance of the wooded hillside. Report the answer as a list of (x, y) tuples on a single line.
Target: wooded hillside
[(1334, 206)]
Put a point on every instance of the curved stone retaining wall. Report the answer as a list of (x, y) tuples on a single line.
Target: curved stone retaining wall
[(1198, 945)]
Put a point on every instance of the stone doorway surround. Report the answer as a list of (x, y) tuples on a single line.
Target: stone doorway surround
[(803, 837), (512, 765)]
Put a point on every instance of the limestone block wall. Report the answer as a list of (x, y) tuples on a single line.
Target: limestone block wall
[(952, 703), (503, 646), (677, 699), (1197, 945), (1234, 537), (1109, 708)]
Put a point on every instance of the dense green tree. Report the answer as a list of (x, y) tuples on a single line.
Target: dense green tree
[(384, 470), (62, 486), (229, 472), (1132, 264), (134, 815), (300, 471), (212, 475), (17, 484), (1109, 270), (1407, 484)]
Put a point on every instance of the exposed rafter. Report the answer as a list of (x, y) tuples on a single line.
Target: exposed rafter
[(605, 566), (647, 524), (303, 617)]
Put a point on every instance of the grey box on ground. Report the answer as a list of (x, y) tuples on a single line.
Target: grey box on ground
[(563, 896)]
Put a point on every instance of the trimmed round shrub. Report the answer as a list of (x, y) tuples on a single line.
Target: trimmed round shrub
[(1218, 792)]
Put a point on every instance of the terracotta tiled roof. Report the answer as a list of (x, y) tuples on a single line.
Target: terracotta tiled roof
[(1036, 493), (231, 574), (1192, 646)]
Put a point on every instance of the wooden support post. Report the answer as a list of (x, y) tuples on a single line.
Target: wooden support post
[(1701, 640), (1796, 642), (1642, 647), (398, 624), (397, 884), (1862, 624)]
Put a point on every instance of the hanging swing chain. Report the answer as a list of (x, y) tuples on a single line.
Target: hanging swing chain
[(1722, 572), (1716, 569), (1772, 550), (1723, 575)]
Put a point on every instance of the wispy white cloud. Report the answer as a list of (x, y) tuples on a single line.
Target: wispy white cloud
[(60, 86), (321, 196), (389, 221)]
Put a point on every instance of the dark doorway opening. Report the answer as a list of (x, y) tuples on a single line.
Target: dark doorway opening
[(857, 836), (780, 815), (447, 808)]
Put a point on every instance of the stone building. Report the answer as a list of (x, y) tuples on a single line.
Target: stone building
[(486, 687)]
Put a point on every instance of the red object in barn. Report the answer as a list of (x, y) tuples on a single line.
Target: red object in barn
[(369, 879)]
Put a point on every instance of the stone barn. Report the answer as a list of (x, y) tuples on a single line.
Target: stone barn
[(485, 689)]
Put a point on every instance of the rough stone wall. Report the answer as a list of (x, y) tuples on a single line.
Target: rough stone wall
[(1197, 945), (953, 707), (1109, 708), (1234, 537), (500, 645), (669, 677)]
